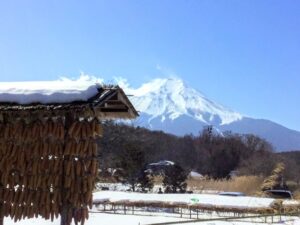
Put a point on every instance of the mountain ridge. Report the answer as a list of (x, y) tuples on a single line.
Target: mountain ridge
[(171, 97), (168, 104)]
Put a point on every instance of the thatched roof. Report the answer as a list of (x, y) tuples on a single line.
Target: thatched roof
[(108, 102)]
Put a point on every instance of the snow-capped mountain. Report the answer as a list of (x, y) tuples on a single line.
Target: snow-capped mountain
[(170, 105), (171, 98)]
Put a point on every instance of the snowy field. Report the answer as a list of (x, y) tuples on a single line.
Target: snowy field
[(111, 219), (242, 202), (148, 217)]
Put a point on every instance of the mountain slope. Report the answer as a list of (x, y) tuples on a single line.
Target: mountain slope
[(171, 106), (171, 98), (282, 138)]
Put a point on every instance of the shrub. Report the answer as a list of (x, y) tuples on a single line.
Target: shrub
[(175, 179)]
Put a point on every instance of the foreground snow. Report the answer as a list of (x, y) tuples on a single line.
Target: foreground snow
[(142, 217), (100, 218), (112, 219), (152, 216)]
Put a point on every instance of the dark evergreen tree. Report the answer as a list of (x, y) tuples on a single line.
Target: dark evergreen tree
[(145, 181), (131, 164), (175, 179)]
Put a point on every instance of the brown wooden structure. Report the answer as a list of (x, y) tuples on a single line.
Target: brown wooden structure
[(48, 155)]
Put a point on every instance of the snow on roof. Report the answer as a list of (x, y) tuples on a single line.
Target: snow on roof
[(162, 163), (231, 193), (63, 90), (86, 96), (195, 174)]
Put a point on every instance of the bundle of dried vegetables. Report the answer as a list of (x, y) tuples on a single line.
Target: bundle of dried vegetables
[(45, 165)]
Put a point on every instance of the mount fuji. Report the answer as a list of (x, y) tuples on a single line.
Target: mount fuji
[(171, 106)]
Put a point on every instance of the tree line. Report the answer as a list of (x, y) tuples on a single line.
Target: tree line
[(209, 153)]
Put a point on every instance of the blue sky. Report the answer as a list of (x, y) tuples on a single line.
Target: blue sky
[(244, 54)]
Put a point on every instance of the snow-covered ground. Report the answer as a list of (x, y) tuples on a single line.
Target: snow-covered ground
[(152, 216), (148, 216), (203, 199), (117, 219), (155, 189)]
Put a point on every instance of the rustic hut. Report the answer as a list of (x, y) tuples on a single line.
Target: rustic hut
[(48, 150)]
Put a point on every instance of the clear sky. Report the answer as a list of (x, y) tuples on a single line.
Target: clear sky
[(244, 54)]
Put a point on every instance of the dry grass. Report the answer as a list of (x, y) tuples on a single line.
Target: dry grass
[(158, 179), (249, 185), (296, 195)]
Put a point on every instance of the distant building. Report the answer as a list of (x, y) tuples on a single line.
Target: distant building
[(195, 175), (159, 167)]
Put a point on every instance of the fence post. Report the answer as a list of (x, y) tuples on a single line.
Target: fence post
[(272, 218)]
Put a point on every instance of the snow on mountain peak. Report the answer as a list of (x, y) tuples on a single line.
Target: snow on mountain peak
[(171, 98)]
